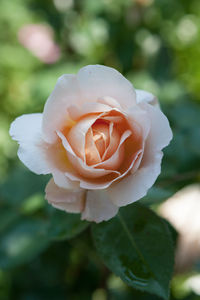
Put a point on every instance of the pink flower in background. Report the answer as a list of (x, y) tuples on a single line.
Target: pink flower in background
[(187, 224), (100, 139), (38, 39)]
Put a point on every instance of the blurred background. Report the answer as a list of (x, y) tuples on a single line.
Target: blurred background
[(156, 45)]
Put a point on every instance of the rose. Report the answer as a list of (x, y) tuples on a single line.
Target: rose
[(100, 139)]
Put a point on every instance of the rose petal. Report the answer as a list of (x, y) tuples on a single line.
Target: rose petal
[(63, 181), (143, 96), (98, 81), (160, 133), (77, 111), (79, 165), (98, 207), (105, 181), (135, 186), (132, 155), (38, 156), (91, 153), (26, 130), (55, 116), (114, 142), (116, 159), (113, 119), (68, 200), (101, 135), (138, 119), (88, 171), (90, 183), (77, 134), (110, 101)]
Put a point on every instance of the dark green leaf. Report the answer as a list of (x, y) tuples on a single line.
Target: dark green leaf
[(7, 217), (24, 238), (137, 246), (22, 242), (21, 185), (156, 195), (28, 224), (63, 225)]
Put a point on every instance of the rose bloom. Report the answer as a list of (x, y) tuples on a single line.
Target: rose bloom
[(38, 39), (100, 139)]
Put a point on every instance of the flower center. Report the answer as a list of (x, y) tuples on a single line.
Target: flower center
[(101, 136)]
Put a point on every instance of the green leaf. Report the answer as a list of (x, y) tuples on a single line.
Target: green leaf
[(156, 195), (63, 225), (22, 238), (20, 185), (22, 242), (7, 217), (137, 246), (28, 223)]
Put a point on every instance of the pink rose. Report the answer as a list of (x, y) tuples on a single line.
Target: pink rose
[(38, 39), (100, 139)]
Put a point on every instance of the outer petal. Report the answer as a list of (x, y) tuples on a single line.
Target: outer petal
[(98, 207), (160, 133), (138, 116), (90, 84), (98, 81), (68, 200), (63, 181), (55, 116), (135, 186), (143, 96), (33, 150)]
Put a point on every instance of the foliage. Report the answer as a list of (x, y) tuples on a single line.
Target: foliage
[(45, 253), (128, 246)]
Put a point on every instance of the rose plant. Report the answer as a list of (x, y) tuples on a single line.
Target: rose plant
[(100, 139)]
